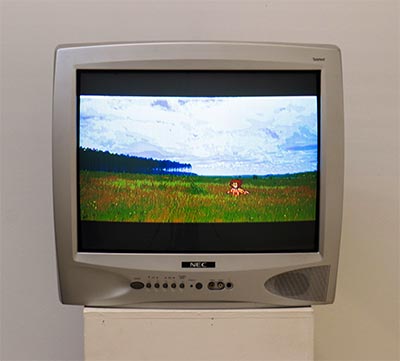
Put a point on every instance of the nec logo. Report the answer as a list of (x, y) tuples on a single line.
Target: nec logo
[(198, 264)]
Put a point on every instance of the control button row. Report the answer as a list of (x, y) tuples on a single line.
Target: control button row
[(214, 286), (137, 285)]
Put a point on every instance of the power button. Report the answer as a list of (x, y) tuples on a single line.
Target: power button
[(137, 285)]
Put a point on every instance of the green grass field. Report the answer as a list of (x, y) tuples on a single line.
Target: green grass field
[(123, 197)]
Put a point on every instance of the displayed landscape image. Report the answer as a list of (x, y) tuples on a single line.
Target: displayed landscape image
[(198, 159)]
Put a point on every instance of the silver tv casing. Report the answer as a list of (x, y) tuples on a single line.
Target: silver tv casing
[(259, 280)]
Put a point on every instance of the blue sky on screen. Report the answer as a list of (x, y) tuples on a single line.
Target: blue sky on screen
[(217, 135)]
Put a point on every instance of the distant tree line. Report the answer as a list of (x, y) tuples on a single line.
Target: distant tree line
[(97, 160)]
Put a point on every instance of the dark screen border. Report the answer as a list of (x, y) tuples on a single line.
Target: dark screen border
[(198, 82), (122, 237)]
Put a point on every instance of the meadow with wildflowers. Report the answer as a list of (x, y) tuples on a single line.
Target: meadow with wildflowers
[(128, 197)]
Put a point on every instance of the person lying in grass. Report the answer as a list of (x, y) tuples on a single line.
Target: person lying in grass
[(236, 188)]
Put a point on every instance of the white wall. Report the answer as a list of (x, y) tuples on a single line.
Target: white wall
[(363, 323)]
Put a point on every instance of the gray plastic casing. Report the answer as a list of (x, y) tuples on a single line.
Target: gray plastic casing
[(103, 279)]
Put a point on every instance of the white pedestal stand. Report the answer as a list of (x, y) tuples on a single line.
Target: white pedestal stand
[(251, 334)]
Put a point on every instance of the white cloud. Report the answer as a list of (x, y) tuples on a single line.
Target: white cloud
[(246, 133)]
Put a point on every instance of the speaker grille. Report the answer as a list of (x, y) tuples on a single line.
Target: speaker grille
[(309, 284)]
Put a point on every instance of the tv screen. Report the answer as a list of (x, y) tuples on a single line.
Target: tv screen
[(198, 161)]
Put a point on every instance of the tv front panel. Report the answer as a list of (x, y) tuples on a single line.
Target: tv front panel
[(201, 174)]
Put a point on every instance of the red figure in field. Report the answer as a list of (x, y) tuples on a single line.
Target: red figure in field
[(236, 187)]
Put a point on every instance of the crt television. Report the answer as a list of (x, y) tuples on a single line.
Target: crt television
[(197, 174)]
